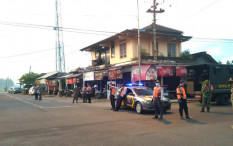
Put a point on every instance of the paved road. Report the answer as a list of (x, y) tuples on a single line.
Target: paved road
[(56, 121)]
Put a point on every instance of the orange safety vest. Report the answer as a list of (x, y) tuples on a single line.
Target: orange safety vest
[(112, 90), (180, 92), (157, 92)]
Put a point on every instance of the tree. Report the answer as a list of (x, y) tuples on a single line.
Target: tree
[(29, 78), (219, 62), (185, 55), (229, 62)]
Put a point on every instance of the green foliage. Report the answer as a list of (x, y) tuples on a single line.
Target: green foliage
[(6, 83), (185, 55), (29, 78), (229, 62), (144, 53), (219, 62)]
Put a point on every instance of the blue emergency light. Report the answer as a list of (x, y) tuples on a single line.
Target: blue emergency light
[(131, 84)]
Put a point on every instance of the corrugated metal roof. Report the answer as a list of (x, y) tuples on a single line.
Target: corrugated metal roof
[(48, 75)]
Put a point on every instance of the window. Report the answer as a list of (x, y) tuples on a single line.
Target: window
[(171, 50), (97, 54), (112, 50), (123, 50)]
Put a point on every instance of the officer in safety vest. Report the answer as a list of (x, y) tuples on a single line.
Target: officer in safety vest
[(157, 100), (231, 82), (181, 95), (121, 95), (112, 95)]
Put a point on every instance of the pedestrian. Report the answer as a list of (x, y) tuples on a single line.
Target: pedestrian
[(157, 100), (89, 93), (206, 95), (83, 92), (35, 92), (39, 91), (112, 95), (120, 96), (182, 99), (231, 82), (76, 94)]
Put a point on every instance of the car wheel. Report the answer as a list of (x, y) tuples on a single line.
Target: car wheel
[(139, 108)]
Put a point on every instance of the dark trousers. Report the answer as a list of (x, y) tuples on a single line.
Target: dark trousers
[(89, 98), (40, 97), (158, 107), (119, 101), (183, 106), (36, 96), (84, 97), (75, 98), (112, 100)]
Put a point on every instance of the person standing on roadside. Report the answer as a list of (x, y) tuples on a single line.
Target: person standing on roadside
[(157, 100), (39, 91), (76, 94), (35, 92), (231, 82), (89, 93), (83, 92), (206, 95), (182, 99), (112, 95), (121, 96)]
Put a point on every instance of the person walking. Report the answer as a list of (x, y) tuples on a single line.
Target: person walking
[(206, 95), (76, 94), (83, 92), (88, 93), (182, 99), (120, 96), (35, 92), (231, 82), (157, 100)]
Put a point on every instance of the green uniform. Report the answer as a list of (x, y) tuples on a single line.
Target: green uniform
[(206, 95)]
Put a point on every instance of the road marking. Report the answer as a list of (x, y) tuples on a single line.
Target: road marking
[(25, 101), (60, 107)]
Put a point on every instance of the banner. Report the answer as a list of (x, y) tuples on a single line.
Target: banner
[(69, 81), (148, 72), (98, 75), (74, 80), (165, 71), (181, 71), (88, 76)]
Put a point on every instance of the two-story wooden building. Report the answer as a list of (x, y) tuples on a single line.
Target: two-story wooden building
[(116, 58)]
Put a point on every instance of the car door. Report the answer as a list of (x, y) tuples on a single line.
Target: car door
[(130, 98)]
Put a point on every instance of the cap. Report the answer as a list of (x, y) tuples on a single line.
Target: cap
[(157, 81), (230, 80)]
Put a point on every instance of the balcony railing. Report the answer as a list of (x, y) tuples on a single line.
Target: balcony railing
[(98, 62)]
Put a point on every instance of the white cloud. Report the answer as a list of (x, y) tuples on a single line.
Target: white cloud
[(227, 59)]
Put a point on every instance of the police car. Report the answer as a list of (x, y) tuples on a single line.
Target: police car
[(139, 98)]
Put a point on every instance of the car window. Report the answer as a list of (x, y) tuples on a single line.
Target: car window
[(129, 91), (143, 91)]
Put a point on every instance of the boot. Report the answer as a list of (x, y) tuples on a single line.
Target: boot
[(203, 110), (208, 109), (181, 117), (188, 117)]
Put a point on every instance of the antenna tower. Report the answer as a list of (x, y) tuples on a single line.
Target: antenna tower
[(60, 57)]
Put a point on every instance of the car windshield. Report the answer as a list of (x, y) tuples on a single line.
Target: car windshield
[(16, 88), (143, 91)]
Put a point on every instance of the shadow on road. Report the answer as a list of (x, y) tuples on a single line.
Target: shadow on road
[(221, 113), (164, 121), (193, 121)]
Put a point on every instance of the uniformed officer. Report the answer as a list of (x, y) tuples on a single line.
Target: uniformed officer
[(112, 95), (121, 95), (206, 95), (39, 90), (157, 100), (76, 94), (181, 96), (89, 93), (231, 82), (83, 92)]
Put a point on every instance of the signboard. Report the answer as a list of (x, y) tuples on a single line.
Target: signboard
[(88, 76), (98, 75), (69, 81), (148, 72), (115, 74), (105, 73), (74, 80), (181, 71), (119, 74), (165, 71)]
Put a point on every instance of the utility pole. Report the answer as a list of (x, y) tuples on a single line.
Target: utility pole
[(60, 57), (154, 11), (139, 48)]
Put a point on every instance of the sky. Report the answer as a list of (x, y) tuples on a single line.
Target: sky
[(209, 22)]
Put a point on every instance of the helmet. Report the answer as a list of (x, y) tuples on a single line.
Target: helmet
[(157, 81), (182, 81)]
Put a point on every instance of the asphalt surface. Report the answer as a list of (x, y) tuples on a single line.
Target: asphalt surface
[(56, 121)]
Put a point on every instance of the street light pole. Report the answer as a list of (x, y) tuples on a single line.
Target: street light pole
[(139, 48)]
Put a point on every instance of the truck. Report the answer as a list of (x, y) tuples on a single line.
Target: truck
[(217, 74)]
